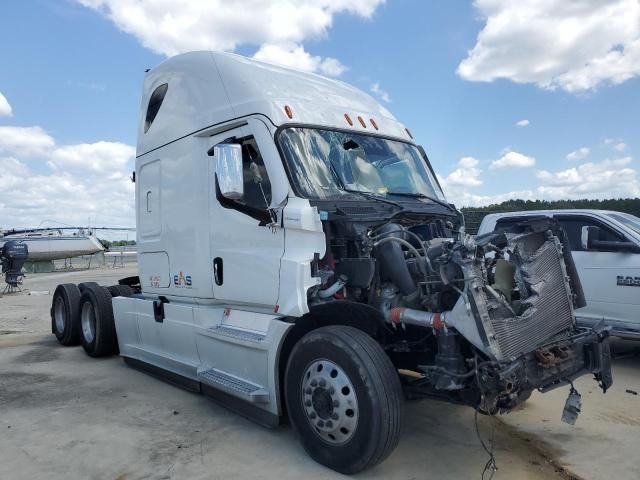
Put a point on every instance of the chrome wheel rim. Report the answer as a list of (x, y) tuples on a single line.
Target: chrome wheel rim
[(329, 401), (88, 321), (59, 315)]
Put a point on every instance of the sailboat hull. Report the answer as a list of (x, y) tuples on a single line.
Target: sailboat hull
[(43, 248)]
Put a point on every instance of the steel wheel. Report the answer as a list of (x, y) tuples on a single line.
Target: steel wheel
[(330, 401), (343, 397), (88, 322), (59, 314), (65, 314)]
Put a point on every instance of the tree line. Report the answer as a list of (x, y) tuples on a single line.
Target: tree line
[(473, 215)]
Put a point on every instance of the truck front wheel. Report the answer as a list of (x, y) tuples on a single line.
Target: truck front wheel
[(344, 398)]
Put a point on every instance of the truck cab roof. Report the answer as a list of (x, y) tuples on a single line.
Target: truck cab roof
[(192, 92)]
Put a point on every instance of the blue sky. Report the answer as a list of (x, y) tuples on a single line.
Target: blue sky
[(459, 74)]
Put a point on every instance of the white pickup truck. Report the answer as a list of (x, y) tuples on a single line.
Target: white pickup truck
[(606, 249)]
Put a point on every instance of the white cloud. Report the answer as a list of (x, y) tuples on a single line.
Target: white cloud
[(24, 140), (606, 179), (377, 90), (70, 183), (616, 144), (295, 56), (579, 154), (522, 123), (614, 178), (465, 176), (513, 159), (575, 46), (277, 27), (5, 108), (98, 157)]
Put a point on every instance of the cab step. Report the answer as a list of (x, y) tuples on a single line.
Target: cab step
[(237, 333), (223, 381)]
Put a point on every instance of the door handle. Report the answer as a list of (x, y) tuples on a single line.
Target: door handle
[(148, 195), (218, 273)]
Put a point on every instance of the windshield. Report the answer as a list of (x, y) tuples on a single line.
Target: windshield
[(630, 221), (327, 164)]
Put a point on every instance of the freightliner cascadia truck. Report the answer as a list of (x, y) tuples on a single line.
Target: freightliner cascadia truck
[(298, 259)]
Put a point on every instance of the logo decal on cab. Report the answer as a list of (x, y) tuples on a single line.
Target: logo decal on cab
[(182, 280), (628, 281)]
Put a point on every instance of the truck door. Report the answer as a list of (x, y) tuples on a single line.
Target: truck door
[(600, 272), (246, 243)]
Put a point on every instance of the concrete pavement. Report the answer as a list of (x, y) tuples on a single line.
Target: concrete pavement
[(65, 415)]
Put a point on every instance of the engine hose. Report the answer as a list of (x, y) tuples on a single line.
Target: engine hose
[(335, 288), (400, 315), (410, 247)]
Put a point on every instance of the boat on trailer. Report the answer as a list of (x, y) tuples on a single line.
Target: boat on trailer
[(55, 244)]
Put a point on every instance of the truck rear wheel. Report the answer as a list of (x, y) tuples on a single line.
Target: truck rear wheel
[(120, 290), (65, 314), (344, 398), (98, 331)]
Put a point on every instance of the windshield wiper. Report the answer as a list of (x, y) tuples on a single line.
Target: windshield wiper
[(422, 195), (373, 195)]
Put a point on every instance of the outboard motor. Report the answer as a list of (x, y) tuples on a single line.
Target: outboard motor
[(12, 258)]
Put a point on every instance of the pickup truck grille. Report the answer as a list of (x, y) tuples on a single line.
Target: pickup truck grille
[(547, 307)]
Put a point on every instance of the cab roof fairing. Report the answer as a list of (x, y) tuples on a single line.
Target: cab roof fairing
[(210, 88)]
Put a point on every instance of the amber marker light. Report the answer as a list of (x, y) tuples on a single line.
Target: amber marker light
[(373, 122), (288, 111)]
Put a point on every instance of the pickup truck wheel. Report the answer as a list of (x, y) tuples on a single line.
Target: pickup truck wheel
[(65, 314), (97, 332), (344, 398)]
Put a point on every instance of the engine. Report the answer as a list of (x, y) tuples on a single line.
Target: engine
[(478, 320)]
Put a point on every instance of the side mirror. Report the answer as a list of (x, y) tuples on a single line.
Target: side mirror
[(589, 236), (229, 170), (591, 240)]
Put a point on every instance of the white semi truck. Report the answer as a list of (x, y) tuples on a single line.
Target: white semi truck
[(297, 258)]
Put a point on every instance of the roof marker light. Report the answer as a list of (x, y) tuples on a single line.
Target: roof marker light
[(364, 125), (408, 133), (288, 111), (348, 119), (373, 122)]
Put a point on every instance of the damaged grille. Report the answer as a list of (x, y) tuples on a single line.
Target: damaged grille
[(546, 308)]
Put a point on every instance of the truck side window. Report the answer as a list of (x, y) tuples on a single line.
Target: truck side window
[(257, 186), (573, 226)]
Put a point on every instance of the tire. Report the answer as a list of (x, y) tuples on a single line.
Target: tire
[(120, 290), (84, 285), (98, 331), (349, 420), (65, 314)]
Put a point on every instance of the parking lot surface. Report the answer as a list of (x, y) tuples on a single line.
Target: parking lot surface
[(64, 415)]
